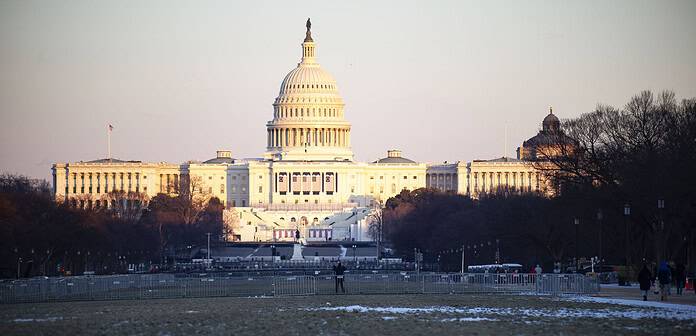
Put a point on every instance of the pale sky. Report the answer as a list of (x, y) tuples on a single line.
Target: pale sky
[(437, 79)]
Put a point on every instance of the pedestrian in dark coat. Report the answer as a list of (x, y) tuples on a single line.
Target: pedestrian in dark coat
[(664, 276), (645, 280), (338, 271), (680, 278)]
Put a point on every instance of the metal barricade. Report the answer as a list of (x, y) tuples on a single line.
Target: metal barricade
[(294, 285), (160, 286)]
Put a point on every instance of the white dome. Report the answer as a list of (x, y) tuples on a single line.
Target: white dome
[(308, 122), (308, 78)]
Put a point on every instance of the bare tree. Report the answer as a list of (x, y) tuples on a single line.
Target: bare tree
[(376, 227), (192, 200), (231, 222)]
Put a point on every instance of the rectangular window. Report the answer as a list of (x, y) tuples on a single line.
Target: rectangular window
[(260, 189)]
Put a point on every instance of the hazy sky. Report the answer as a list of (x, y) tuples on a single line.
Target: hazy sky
[(437, 79)]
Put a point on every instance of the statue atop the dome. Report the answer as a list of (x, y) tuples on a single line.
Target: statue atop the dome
[(308, 36)]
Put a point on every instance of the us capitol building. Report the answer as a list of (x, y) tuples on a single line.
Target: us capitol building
[(307, 180)]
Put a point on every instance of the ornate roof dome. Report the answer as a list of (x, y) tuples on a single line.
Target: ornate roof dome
[(308, 121), (394, 156), (308, 78), (551, 122)]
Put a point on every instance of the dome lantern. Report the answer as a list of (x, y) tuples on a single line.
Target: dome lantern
[(551, 122)]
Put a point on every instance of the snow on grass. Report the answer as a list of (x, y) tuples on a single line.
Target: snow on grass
[(48, 319), (634, 303), (490, 313), (467, 319)]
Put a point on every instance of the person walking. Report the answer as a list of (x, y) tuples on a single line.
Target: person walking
[(339, 271), (645, 280), (680, 278), (664, 277), (537, 277)]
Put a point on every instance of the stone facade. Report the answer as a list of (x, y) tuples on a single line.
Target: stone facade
[(306, 181)]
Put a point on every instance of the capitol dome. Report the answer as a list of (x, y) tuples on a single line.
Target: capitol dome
[(551, 122), (308, 79), (308, 122)]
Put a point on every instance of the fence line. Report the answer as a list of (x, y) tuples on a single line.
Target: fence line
[(152, 286)]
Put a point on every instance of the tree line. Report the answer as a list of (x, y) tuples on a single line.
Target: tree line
[(624, 175), (40, 236)]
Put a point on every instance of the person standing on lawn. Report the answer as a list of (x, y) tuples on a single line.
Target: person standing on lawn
[(338, 273)]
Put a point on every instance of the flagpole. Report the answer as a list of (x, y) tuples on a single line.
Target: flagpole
[(505, 142), (108, 137)]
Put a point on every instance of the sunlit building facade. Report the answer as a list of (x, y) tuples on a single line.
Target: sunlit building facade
[(306, 182)]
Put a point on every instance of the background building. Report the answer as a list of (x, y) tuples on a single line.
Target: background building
[(306, 181)]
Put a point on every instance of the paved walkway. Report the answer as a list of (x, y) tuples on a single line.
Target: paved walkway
[(633, 293)]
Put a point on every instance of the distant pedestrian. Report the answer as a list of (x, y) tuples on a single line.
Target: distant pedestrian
[(671, 279), (339, 271), (680, 278), (645, 280), (537, 269), (664, 277)]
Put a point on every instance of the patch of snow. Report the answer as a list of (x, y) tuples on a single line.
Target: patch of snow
[(467, 319), (387, 318), (634, 303), (391, 310), (489, 312), (48, 319)]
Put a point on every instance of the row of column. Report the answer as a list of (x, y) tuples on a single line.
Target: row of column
[(169, 183), (81, 183), (494, 181), (294, 112), (444, 181), (299, 137), (122, 203)]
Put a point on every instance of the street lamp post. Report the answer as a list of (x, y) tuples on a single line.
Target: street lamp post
[(599, 221), (626, 212), (355, 256), (576, 221), (273, 253), (497, 251), (208, 250), (463, 257), (660, 210)]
